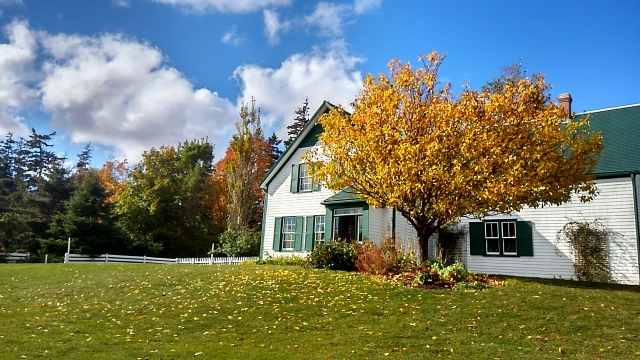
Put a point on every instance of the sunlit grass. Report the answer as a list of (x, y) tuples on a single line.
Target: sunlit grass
[(266, 312)]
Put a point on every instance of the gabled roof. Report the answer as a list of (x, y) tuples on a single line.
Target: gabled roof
[(620, 129), (301, 139)]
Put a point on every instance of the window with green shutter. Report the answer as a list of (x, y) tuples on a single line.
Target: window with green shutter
[(501, 238)]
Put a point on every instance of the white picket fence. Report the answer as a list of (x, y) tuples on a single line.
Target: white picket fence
[(108, 258), (13, 257)]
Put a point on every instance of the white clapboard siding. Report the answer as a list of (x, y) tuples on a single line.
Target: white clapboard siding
[(282, 202), (614, 206)]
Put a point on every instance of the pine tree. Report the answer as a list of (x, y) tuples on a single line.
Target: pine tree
[(275, 150), (301, 119), (89, 221)]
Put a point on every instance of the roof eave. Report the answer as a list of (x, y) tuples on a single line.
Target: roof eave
[(296, 143)]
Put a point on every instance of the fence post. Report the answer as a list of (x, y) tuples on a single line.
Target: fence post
[(106, 258), (66, 258), (144, 259), (46, 257)]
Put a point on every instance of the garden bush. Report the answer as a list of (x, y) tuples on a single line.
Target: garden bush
[(377, 260), (335, 255), (241, 242)]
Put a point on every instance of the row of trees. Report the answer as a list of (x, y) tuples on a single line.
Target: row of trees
[(176, 201)]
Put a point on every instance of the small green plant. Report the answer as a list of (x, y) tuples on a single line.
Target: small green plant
[(589, 244), (435, 271), (335, 255), (471, 286), (283, 261)]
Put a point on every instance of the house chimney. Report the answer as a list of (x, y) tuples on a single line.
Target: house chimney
[(565, 102)]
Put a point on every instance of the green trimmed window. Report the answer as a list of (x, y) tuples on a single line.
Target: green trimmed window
[(501, 238), (288, 233), (319, 229), (302, 180)]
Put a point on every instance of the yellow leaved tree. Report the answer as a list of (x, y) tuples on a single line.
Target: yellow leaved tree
[(435, 156)]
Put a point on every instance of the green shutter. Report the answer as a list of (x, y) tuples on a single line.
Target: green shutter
[(476, 238), (328, 226), (294, 178), (524, 238), (365, 223), (277, 234), (308, 236), (297, 244)]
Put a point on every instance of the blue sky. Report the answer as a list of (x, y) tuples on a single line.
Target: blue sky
[(127, 75)]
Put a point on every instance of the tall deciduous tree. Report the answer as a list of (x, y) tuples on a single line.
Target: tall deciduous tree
[(434, 156), (162, 204), (246, 160)]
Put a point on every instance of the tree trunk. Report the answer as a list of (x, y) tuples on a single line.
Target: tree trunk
[(423, 240)]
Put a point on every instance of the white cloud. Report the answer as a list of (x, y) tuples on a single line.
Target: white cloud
[(121, 3), (323, 74), (16, 74), (114, 91), (234, 6), (328, 17), (10, 2), (231, 37), (272, 26), (362, 6)]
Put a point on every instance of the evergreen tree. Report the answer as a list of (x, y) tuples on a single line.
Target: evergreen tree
[(301, 119), (89, 221), (274, 143)]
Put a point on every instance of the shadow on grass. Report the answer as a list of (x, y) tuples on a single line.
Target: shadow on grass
[(574, 284)]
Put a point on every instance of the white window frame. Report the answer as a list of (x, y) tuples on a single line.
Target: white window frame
[(513, 237), (288, 232), (319, 228), (495, 236), (305, 180)]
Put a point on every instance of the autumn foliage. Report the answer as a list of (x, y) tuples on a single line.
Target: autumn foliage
[(434, 156)]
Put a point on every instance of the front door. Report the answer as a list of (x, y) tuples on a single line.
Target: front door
[(347, 224)]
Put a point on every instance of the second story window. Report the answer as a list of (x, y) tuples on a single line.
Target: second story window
[(304, 178)]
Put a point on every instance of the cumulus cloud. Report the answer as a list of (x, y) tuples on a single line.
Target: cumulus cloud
[(233, 6), (16, 75), (327, 73), (232, 37), (118, 92), (362, 6)]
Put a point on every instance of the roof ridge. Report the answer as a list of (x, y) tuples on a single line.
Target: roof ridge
[(607, 109)]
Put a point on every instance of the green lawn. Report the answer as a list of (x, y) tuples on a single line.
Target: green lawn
[(111, 311)]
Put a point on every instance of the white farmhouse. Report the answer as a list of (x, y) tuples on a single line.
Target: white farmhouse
[(299, 213)]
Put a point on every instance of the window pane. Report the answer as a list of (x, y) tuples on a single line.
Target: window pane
[(509, 229), (304, 178), (493, 246), (491, 230), (318, 231), (510, 246), (352, 211), (288, 232)]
